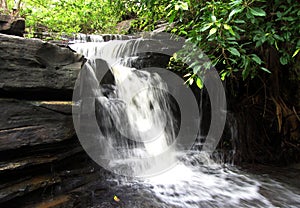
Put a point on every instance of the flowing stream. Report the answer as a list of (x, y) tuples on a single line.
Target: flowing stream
[(135, 116)]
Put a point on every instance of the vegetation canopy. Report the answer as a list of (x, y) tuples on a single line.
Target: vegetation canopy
[(234, 33)]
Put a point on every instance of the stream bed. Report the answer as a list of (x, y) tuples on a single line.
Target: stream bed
[(204, 185)]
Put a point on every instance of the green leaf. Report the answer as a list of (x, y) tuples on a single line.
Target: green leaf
[(245, 73), (288, 19), (296, 52), (181, 6), (238, 28), (199, 82), (276, 45), (172, 17), (239, 21), (245, 61), (256, 59), (184, 6), (206, 27), (234, 51), (224, 74), (279, 14), (277, 37), (212, 31), (228, 27), (257, 12), (170, 13), (196, 69), (183, 32), (237, 2), (283, 60), (233, 12), (168, 7), (218, 24), (265, 69)]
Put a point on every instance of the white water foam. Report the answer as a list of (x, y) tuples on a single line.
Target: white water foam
[(145, 115)]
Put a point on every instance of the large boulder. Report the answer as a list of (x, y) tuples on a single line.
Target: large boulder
[(12, 25), (35, 66)]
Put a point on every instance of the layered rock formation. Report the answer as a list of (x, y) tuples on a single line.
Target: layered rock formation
[(41, 160)]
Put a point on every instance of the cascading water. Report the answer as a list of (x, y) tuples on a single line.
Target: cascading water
[(135, 118), (83, 38), (133, 113)]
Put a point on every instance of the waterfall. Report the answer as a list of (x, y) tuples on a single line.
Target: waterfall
[(84, 38), (133, 111), (125, 120)]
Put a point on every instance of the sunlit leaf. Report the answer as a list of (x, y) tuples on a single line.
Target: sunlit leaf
[(199, 82), (184, 6), (191, 81), (218, 24), (296, 52), (116, 198), (212, 31), (223, 75), (187, 75), (265, 69), (228, 27), (213, 18)]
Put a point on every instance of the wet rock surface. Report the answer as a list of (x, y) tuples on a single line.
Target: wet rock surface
[(42, 164), (29, 123)]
